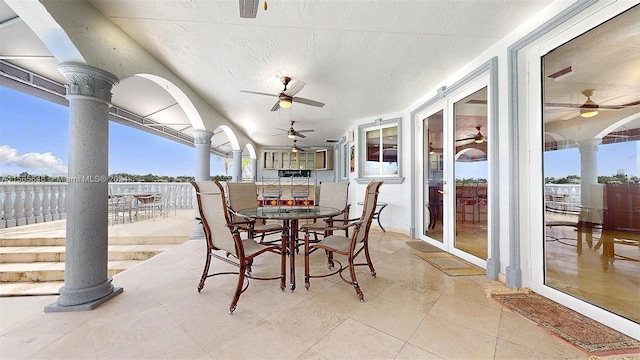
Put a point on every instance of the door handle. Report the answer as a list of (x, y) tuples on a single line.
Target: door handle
[(442, 192)]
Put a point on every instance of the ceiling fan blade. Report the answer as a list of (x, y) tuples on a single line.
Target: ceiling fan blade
[(248, 8), (258, 93), (299, 135), (578, 106), (465, 139), (276, 106), (307, 101), (295, 87), (307, 130), (285, 130)]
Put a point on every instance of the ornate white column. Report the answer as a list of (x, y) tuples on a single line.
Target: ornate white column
[(588, 168), (254, 169), (86, 280), (202, 142), (237, 166)]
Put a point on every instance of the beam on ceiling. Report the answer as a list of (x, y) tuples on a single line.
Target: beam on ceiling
[(37, 85)]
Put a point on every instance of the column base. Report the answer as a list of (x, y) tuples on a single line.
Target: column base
[(55, 307), (198, 231)]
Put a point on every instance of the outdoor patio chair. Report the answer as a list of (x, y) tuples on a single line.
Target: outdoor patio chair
[(271, 191), (242, 196), (335, 195), (300, 190), (350, 247), (223, 235)]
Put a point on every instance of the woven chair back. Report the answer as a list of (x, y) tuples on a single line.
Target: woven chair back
[(368, 209), (213, 213), (242, 195)]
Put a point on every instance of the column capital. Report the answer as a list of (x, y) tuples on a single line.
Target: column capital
[(88, 81), (589, 145), (202, 137)]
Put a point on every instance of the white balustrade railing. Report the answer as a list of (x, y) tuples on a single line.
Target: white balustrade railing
[(31, 203)]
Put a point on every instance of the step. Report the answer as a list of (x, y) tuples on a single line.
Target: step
[(29, 254), (9, 289), (122, 240), (51, 271)]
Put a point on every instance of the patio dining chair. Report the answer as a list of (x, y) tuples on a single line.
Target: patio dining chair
[(335, 195), (223, 236), (243, 196), (300, 190), (350, 247), (271, 191)]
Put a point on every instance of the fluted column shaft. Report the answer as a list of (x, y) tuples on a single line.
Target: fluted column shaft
[(237, 165), (86, 280), (202, 142)]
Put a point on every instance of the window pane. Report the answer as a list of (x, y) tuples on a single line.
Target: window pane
[(591, 178), (373, 153), (390, 151)]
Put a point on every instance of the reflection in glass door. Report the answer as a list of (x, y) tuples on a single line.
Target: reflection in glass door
[(470, 172), (591, 169), (433, 177)]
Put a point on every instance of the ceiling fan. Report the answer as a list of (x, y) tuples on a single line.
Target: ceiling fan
[(295, 147), (590, 108), (293, 133), (477, 138), (286, 97)]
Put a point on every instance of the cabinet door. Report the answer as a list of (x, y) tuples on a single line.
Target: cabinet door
[(267, 160), (311, 157), (277, 160)]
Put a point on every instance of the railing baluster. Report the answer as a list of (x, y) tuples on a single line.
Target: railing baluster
[(37, 203), (9, 216)]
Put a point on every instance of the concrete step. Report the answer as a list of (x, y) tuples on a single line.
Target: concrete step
[(51, 271), (29, 254)]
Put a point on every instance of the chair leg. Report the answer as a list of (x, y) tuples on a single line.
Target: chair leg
[(236, 296), (369, 262), (306, 261), (354, 280), (330, 264), (206, 270), (283, 263)]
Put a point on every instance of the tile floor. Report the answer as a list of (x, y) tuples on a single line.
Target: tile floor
[(411, 311)]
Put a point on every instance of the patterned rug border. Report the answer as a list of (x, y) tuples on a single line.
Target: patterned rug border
[(466, 269), (617, 343)]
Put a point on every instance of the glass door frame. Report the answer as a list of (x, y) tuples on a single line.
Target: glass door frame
[(449, 186), (422, 206), (532, 183)]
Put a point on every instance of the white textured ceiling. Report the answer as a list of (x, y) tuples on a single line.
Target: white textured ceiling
[(360, 58)]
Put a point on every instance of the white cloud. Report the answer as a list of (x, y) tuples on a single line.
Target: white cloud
[(44, 163)]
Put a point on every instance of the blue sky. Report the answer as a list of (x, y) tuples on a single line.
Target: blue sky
[(34, 137)]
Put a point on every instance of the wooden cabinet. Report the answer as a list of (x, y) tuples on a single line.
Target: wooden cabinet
[(324, 159), (288, 160)]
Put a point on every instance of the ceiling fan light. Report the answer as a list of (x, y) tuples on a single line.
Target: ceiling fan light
[(294, 149), (587, 113), (291, 136), (285, 103), (479, 141)]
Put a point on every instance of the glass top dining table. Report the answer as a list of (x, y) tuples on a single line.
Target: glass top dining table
[(289, 217)]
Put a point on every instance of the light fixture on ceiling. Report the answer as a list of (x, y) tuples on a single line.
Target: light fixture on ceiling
[(285, 101), (291, 134), (294, 149), (589, 108)]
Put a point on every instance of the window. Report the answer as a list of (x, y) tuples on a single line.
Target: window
[(379, 150), (342, 150)]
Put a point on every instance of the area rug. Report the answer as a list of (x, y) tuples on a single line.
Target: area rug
[(451, 265), (584, 333), (422, 246)]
